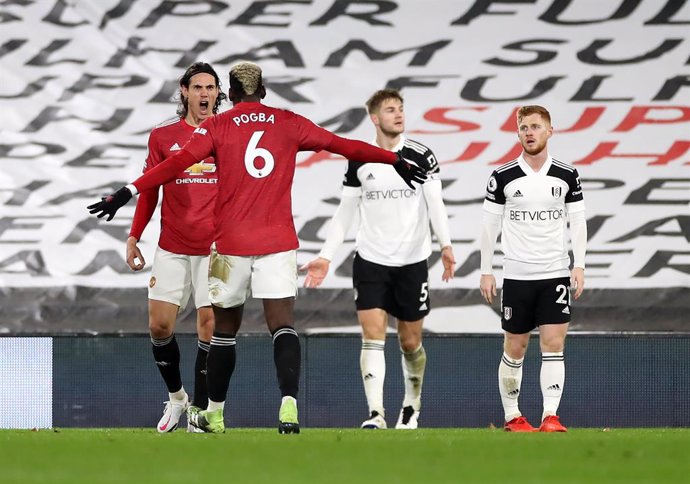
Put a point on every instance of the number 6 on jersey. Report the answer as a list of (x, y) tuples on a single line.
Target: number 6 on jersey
[(253, 152)]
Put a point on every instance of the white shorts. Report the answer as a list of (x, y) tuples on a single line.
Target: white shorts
[(174, 277), (232, 279)]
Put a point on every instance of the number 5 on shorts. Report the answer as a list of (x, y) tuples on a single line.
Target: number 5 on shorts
[(424, 292)]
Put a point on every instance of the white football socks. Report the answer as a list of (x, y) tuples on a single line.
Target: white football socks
[(552, 379), (509, 381), (215, 405), (413, 365), (372, 361), (179, 395)]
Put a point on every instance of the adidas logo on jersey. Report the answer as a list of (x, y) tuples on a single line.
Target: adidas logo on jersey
[(175, 147), (371, 177), (555, 386), (566, 310), (517, 194), (423, 307)]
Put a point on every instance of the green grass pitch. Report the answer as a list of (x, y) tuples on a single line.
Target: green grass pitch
[(344, 456)]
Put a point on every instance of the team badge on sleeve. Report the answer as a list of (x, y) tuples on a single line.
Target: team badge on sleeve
[(492, 184)]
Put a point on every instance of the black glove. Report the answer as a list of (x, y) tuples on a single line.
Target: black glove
[(110, 204), (409, 172)]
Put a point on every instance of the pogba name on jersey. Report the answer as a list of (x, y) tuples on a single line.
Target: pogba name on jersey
[(534, 215), (254, 118)]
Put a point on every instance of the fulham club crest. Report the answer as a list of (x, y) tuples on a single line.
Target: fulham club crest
[(507, 313), (556, 192)]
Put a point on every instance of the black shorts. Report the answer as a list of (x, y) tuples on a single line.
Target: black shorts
[(401, 291), (528, 304)]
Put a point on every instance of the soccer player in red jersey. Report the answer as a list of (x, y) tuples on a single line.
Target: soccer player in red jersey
[(180, 265), (254, 146)]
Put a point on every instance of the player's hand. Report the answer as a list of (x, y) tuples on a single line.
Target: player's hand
[(448, 260), (110, 204), (577, 281), (134, 255), (487, 286), (409, 172), (316, 271)]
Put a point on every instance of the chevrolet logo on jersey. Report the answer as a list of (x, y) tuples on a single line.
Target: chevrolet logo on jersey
[(201, 168)]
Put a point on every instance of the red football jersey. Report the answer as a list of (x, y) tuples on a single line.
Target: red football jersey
[(255, 147), (187, 225)]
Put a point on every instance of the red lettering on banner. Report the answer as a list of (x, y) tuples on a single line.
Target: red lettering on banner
[(439, 116), (514, 152), (510, 126), (590, 116), (605, 150), (586, 120), (638, 115), (474, 149)]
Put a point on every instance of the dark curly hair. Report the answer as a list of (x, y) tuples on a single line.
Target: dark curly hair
[(193, 70)]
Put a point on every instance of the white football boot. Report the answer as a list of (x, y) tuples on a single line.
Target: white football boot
[(171, 414), (375, 421), (408, 418)]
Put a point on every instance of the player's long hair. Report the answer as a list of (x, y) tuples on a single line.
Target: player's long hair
[(193, 70)]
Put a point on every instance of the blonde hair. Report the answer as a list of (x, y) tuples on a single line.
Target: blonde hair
[(245, 77), (525, 111)]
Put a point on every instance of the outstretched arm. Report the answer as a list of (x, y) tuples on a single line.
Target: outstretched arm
[(366, 153), (153, 178)]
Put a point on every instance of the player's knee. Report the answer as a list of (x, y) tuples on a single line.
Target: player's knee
[(160, 328), (205, 323), (516, 348), (552, 345), (409, 342)]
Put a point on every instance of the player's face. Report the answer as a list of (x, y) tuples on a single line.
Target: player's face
[(390, 118), (534, 132), (201, 96)]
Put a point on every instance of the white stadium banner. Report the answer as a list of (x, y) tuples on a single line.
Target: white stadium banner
[(84, 81)]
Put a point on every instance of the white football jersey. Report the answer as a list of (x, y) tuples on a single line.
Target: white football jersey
[(534, 207), (393, 219)]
